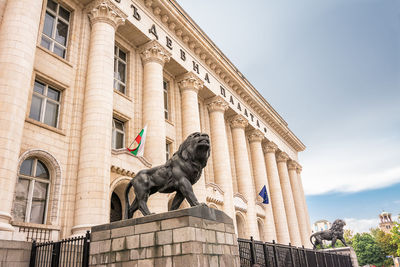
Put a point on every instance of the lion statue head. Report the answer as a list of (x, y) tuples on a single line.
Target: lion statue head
[(195, 148), (337, 227)]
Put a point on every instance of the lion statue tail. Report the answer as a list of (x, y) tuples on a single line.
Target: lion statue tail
[(311, 240), (127, 206)]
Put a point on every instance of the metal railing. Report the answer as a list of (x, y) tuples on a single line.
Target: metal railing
[(257, 253), (71, 252)]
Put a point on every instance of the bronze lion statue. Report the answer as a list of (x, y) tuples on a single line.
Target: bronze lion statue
[(333, 234), (178, 174)]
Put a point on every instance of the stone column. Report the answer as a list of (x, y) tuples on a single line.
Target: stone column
[(306, 214), (287, 193), (154, 56), (18, 37), (190, 85), (220, 152), (298, 202), (243, 172), (93, 185), (260, 178), (278, 207)]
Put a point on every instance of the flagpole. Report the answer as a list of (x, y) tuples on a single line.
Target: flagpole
[(131, 143)]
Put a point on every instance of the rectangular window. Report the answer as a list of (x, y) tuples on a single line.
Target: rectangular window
[(55, 29), (45, 105), (166, 99), (119, 70), (168, 150), (118, 134)]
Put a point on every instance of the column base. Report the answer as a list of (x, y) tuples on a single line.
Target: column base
[(81, 229), (5, 219)]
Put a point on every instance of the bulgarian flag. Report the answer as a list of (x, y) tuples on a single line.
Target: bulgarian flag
[(140, 140)]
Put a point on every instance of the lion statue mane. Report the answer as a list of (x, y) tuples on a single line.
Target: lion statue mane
[(333, 234), (178, 174)]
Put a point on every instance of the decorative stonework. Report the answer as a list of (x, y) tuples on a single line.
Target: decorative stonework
[(105, 11), (232, 76), (238, 121), (255, 136), (282, 157), (270, 147), (292, 165), (260, 210), (154, 52), (217, 103), (240, 202), (214, 193), (122, 171), (299, 168), (190, 81)]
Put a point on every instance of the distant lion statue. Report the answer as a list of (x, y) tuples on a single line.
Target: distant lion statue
[(333, 234), (178, 174)]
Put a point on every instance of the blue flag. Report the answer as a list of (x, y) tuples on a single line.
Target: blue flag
[(264, 194)]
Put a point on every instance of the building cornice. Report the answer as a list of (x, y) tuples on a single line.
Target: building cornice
[(179, 23)]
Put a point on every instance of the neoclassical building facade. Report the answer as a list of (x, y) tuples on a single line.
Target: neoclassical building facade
[(80, 78)]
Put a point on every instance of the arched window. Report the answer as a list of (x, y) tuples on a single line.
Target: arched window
[(240, 226), (31, 192)]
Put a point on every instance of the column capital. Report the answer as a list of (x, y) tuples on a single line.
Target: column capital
[(270, 147), (256, 136), (292, 165), (299, 168), (282, 157), (217, 103), (105, 11), (190, 81), (238, 121), (153, 51)]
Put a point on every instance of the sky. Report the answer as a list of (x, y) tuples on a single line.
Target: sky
[(331, 69)]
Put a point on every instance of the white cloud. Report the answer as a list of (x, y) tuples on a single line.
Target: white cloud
[(350, 166), (361, 225), (345, 181)]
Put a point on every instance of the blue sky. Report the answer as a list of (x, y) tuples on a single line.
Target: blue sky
[(332, 70)]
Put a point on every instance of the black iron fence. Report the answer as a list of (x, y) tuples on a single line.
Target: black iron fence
[(256, 253), (71, 252)]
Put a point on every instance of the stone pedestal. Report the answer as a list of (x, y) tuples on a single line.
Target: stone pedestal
[(15, 253), (345, 251), (198, 236)]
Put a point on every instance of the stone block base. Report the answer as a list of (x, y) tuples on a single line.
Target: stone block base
[(198, 236), (345, 251), (15, 253)]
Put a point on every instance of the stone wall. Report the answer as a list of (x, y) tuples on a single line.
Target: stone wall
[(15, 253), (200, 236)]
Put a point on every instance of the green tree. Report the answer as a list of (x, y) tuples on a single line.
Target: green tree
[(395, 237), (348, 237), (367, 250), (385, 242)]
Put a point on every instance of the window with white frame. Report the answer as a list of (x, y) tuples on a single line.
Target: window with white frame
[(118, 134), (119, 70), (166, 99), (31, 192), (56, 28), (45, 104), (168, 150)]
